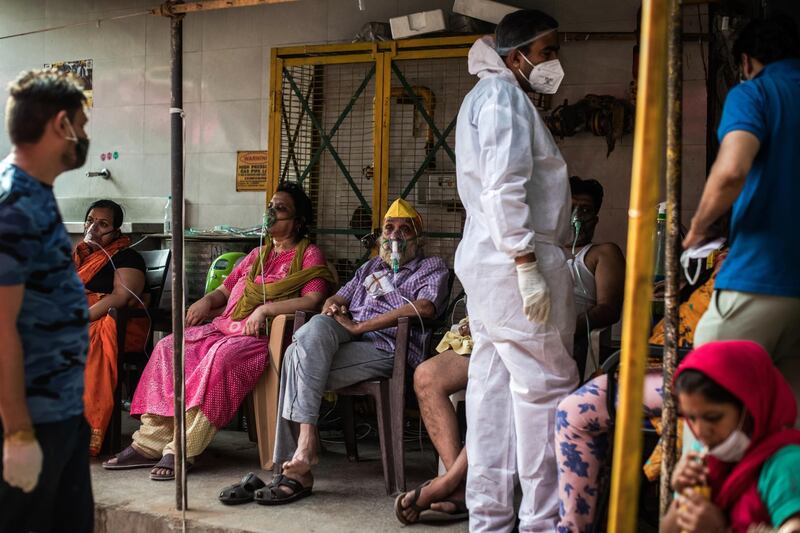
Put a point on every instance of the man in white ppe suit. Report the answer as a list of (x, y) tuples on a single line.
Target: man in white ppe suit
[(513, 183)]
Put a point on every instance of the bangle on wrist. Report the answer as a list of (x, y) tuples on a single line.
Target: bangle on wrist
[(20, 436)]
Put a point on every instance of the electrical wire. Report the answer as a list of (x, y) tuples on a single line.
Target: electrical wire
[(75, 24)]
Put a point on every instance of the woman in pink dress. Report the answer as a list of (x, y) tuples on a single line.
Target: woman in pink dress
[(225, 358)]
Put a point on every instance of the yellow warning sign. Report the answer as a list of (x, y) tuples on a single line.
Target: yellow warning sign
[(251, 170)]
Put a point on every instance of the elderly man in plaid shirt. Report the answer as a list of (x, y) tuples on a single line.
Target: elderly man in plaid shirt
[(352, 341)]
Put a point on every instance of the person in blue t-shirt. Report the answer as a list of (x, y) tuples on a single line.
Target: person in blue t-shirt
[(757, 173), (43, 315)]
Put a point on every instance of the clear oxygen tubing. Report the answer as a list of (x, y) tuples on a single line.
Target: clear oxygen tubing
[(395, 259), (113, 266), (576, 224)]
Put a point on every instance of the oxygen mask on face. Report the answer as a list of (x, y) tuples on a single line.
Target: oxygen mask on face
[(271, 218), (92, 234), (394, 251)]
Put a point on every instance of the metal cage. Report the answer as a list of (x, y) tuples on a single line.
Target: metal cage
[(359, 125)]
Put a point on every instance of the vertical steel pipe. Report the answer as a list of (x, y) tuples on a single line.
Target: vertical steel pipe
[(648, 164), (671, 317), (176, 133)]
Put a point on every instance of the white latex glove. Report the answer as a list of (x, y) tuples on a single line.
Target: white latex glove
[(534, 291), (22, 463)]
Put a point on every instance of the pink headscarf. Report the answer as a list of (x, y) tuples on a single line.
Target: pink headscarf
[(745, 369)]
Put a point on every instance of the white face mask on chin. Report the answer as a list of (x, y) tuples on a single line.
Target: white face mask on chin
[(733, 448), (546, 77)]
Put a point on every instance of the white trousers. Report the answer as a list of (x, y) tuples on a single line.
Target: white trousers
[(518, 373)]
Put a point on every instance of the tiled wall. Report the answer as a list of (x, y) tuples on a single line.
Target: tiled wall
[(226, 56)]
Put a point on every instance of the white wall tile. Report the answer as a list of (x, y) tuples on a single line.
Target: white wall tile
[(232, 74), (193, 126), (126, 178), (68, 9), (21, 52), (215, 175), (119, 38), (119, 129), (157, 129), (243, 216), (15, 11), (234, 28), (159, 33), (156, 175), (118, 82), (79, 42), (298, 22), (230, 126), (158, 83)]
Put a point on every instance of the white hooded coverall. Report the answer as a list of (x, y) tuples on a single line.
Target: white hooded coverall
[(513, 183)]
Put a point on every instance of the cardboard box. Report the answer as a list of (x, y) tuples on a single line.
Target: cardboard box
[(417, 24), (483, 9)]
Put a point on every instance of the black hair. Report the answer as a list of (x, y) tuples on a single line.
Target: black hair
[(767, 40), (35, 97), (303, 208), (692, 381), (116, 210), (589, 187), (519, 26)]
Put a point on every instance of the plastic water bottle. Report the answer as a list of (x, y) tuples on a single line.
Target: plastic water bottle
[(661, 242), (168, 216)]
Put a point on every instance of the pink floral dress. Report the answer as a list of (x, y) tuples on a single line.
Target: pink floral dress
[(221, 364)]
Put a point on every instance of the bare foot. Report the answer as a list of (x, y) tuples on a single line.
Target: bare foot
[(298, 471), (435, 491), (448, 506)]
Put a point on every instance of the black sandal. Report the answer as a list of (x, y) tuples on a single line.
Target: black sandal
[(129, 458), (167, 463), (273, 495), (398, 505), (242, 492)]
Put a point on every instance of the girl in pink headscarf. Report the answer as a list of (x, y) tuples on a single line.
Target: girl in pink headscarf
[(741, 409)]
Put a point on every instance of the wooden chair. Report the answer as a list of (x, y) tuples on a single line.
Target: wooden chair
[(390, 400), (262, 403), (133, 362)]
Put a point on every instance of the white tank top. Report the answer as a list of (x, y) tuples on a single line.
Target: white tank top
[(585, 289)]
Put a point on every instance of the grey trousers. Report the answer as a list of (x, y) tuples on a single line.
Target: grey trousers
[(324, 356), (771, 321)]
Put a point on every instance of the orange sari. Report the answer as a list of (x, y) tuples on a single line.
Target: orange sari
[(101, 361)]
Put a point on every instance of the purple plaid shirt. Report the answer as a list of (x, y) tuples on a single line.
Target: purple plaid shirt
[(422, 278)]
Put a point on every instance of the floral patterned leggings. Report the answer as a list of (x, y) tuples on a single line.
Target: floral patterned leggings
[(582, 424)]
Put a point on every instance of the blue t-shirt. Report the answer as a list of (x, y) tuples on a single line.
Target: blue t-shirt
[(53, 320), (764, 257)]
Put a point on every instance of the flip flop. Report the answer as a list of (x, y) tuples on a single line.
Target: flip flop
[(242, 492), (432, 515), (273, 495), (167, 462), (398, 505), (128, 459)]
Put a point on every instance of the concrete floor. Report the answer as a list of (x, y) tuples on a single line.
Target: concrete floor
[(347, 496)]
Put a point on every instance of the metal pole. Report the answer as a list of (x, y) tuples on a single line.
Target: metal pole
[(671, 317), (176, 127), (648, 163)]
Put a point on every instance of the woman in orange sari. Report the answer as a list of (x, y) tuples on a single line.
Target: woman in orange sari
[(113, 275)]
